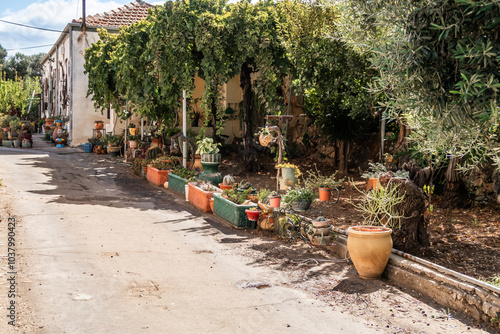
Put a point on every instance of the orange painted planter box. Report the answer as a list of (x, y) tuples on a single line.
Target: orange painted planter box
[(156, 176), (200, 198)]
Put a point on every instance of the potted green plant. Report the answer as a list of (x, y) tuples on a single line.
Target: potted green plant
[(132, 130), (158, 171), (132, 142), (5, 141), (231, 206), (263, 199), (210, 160), (290, 174), (299, 199), (322, 183), (208, 150), (274, 199), (112, 144), (370, 244), (178, 179)]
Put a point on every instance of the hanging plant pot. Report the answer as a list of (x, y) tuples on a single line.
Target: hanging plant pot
[(325, 194), (266, 139)]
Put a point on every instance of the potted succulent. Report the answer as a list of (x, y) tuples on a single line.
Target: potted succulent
[(370, 244), (210, 160), (201, 193), (227, 182), (299, 199), (231, 206), (375, 170), (158, 171), (322, 183), (320, 231)]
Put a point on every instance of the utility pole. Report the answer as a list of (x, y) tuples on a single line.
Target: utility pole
[(83, 10)]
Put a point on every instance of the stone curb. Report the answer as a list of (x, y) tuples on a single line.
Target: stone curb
[(478, 301)]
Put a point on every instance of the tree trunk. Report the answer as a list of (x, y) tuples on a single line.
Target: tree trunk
[(344, 148), (404, 131), (455, 192), (246, 86), (412, 237)]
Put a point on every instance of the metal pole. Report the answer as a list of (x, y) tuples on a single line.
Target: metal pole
[(142, 128), (184, 129), (84, 24)]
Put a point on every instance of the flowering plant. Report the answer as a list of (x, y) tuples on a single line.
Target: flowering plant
[(289, 165)]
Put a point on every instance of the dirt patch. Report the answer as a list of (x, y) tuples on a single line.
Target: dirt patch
[(464, 240)]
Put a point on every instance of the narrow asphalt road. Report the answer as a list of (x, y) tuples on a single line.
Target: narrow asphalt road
[(98, 250), (104, 252)]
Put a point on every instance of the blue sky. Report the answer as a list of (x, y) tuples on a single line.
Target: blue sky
[(50, 14)]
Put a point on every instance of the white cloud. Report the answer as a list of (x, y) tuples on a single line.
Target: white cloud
[(51, 14)]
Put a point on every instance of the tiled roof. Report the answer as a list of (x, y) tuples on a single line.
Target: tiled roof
[(125, 15)]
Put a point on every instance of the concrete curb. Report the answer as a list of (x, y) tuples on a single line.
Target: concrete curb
[(464, 294)]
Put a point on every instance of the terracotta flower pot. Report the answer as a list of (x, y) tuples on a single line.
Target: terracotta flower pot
[(370, 248), (133, 131), (157, 176), (321, 223), (132, 144), (274, 201), (49, 121), (99, 125), (325, 194), (372, 183), (225, 186), (201, 198)]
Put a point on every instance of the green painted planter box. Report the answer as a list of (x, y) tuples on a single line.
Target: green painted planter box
[(7, 143), (177, 184), (232, 212)]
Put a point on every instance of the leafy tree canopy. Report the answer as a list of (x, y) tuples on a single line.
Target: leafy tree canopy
[(438, 63), (24, 66)]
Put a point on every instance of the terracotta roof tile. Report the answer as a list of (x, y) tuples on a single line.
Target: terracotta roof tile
[(125, 15)]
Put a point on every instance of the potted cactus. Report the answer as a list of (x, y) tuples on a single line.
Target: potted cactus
[(227, 182)]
